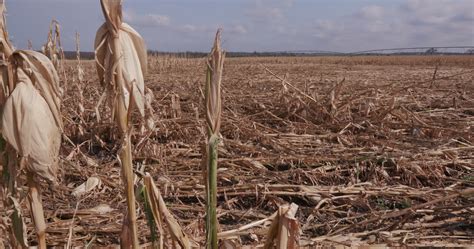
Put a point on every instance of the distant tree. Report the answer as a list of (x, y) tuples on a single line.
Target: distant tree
[(470, 51)]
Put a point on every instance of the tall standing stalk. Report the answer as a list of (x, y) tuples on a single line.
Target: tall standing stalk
[(215, 65), (121, 63)]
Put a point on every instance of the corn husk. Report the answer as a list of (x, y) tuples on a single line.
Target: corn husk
[(133, 56), (31, 121)]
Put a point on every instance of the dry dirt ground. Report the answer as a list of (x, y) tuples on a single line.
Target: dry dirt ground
[(373, 150)]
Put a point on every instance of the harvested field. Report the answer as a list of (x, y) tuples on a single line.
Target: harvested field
[(373, 150)]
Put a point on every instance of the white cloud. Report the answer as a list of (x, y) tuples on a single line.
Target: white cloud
[(411, 23), (147, 20), (438, 12), (236, 29), (192, 28), (371, 12), (265, 14), (269, 10)]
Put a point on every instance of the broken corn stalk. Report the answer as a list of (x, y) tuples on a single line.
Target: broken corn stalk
[(284, 230)]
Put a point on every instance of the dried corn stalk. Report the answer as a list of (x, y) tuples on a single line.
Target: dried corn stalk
[(161, 212), (17, 231), (121, 62), (31, 125), (53, 48), (215, 66), (6, 49), (80, 69)]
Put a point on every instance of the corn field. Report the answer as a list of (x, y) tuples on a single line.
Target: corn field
[(145, 151)]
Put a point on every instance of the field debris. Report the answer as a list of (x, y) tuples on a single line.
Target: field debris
[(370, 151)]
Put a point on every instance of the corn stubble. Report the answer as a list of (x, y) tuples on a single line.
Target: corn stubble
[(121, 60)]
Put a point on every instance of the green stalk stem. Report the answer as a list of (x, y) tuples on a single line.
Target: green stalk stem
[(212, 193)]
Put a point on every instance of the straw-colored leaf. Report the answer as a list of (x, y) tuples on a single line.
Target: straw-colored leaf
[(133, 54), (28, 125), (160, 211), (87, 186), (43, 75), (31, 123), (213, 86)]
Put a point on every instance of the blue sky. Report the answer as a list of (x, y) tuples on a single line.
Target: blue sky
[(256, 25)]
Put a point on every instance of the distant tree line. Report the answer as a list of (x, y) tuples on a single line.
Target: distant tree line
[(431, 51)]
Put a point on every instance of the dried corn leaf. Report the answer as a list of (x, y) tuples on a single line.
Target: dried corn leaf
[(18, 225), (28, 125), (6, 47), (31, 121), (160, 211), (89, 185), (215, 66), (133, 56), (43, 76)]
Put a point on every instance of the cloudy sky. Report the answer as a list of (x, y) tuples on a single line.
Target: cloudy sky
[(256, 25)]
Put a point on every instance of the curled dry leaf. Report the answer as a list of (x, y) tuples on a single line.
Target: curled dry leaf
[(89, 185)]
